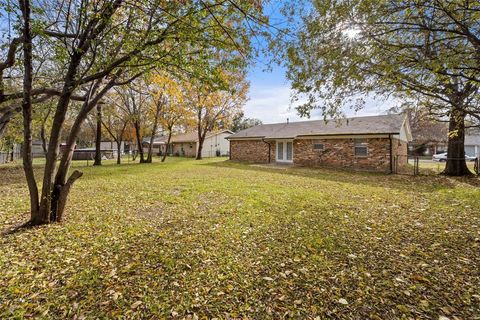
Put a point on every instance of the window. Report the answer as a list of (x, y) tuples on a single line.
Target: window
[(280, 151), (318, 146), (361, 151), (289, 151)]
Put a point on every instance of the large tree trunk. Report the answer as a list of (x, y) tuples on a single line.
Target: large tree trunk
[(35, 217), (54, 141), (456, 165), (62, 185), (98, 138)]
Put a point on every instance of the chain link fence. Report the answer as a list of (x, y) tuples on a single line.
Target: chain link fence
[(9, 156), (415, 165)]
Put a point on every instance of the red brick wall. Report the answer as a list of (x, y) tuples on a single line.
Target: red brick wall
[(400, 150), (251, 151), (339, 153)]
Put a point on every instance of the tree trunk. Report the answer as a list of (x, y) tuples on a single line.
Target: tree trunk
[(44, 139), (152, 137), (201, 139), (62, 186), (98, 138), (139, 141), (456, 164), (54, 141), (52, 191), (119, 145), (36, 217), (43, 136), (167, 145), (12, 154)]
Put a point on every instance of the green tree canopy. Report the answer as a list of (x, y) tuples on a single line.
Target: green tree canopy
[(421, 51)]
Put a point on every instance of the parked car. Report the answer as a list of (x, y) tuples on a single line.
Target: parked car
[(469, 158), (442, 157)]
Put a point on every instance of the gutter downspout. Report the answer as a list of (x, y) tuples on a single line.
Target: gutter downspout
[(391, 153), (269, 147)]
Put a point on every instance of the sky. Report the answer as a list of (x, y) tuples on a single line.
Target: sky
[(270, 99), (270, 90)]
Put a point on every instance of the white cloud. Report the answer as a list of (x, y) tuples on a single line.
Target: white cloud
[(271, 104)]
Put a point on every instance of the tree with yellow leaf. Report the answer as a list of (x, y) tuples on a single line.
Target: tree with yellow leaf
[(175, 114), (215, 106), (166, 108)]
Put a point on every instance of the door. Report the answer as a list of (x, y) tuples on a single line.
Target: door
[(285, 151)]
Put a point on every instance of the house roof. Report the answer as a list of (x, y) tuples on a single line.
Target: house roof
[(187, 137), (430, 132), (383, 124)]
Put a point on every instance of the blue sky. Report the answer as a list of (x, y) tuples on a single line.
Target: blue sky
[(270, 90), (270, 99)]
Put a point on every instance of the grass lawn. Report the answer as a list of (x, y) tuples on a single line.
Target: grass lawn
[(217, 239), (434, 167)]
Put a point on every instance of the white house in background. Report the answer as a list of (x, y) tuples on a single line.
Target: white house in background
[(186, 144), (472, 144), (112, 146), (37, 149)]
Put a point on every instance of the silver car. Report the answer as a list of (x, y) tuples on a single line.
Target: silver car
[(442, 157)]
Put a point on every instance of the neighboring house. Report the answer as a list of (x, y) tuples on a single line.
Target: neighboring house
[(429, 138), (112, 146), (186, 144), (434, 139), (37, 149), (11, 154), (377, 143), (472, 143)]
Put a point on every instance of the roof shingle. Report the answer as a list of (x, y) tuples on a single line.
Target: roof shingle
[(381, 124)]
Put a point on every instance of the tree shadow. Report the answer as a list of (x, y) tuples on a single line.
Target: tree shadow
[(420, 183), (17, 228)]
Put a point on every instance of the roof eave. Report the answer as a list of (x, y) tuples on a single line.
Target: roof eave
[(345, 134), (245, 138)]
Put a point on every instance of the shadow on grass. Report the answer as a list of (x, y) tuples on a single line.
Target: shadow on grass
[(17, 228), (373, 179)]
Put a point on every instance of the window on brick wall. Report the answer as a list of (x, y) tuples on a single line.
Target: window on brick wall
[(318, 146), (360, 149)]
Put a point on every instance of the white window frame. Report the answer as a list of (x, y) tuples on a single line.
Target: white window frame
[(284, 144)]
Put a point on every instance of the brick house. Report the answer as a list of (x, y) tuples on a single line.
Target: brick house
[(374, 143)]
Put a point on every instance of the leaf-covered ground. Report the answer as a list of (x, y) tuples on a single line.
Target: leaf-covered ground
[(203, 239)]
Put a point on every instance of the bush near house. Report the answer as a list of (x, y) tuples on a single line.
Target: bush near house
[(192, 239)]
